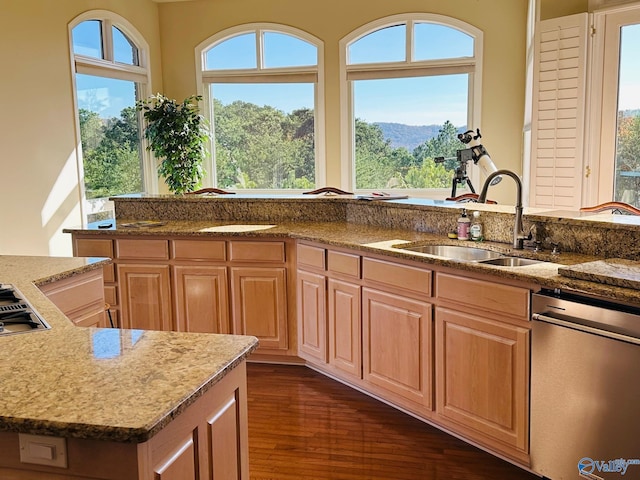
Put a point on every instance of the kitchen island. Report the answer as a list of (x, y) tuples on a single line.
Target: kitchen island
[(112, 403)]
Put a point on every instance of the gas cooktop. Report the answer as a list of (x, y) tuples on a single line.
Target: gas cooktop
[(16, 314)]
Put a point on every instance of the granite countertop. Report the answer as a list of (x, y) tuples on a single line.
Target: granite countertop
[(381, 240), (108, 384)]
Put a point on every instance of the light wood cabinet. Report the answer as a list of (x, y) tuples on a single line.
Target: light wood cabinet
[(482, 362), (102, 247), (344, 301), (259, 305), (144, 283), (200, 298), (482, 372), (207, 440), (208, 285), (396, 345), (212, 437), (145, 296), (345, 327), (312, 318), (80, 297), (200, 285)]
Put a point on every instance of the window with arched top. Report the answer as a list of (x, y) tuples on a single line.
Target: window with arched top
[(410, 84), (262, 86), (110, 74)]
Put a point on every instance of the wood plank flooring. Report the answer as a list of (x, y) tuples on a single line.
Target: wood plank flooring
[(303, 425)]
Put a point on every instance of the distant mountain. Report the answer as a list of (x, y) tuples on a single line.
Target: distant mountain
[(408, 136)]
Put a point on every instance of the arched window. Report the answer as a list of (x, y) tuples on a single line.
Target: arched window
[(110, 74), (410, 84), (262, 88)]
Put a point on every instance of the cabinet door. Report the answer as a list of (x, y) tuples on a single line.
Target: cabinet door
[(180, 464), (200, 296), (312, 319), (345, 327), (209, 440), (145, 293), (259, 305), (482, 372), (396, 346)]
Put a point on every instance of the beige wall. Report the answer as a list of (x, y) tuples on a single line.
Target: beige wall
[(39, 181), (561, 8), (503, 23)]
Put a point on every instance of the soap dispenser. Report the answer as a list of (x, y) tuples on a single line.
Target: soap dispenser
[(463, 225), (476, 231)]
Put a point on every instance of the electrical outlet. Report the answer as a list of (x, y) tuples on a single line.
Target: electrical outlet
[(43, 450)]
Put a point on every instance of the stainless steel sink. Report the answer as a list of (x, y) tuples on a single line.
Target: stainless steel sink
[(510, 262), (453, 252), (469, 254)]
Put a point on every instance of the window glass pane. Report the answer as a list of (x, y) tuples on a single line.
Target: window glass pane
[(110, 137), (236, 52), (282, 50), (627, 168), (124, 51), (433, 41), (403, 124), (384, 45), (87, 39), (264, 135)]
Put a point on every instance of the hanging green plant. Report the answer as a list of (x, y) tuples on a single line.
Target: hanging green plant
[(178, 136)]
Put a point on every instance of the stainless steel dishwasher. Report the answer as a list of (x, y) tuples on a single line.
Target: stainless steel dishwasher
[(585, 388)]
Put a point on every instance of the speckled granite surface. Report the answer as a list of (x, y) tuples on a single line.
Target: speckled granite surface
[(597, 234), (612, 271), (81, 382), (381, 240)]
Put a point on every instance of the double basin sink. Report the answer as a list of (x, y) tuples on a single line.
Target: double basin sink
[(469, 254)]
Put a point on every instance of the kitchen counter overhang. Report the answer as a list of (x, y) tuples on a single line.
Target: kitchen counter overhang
[(104, 384)]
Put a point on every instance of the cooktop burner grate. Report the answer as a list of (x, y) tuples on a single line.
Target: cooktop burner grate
[(16, 314)]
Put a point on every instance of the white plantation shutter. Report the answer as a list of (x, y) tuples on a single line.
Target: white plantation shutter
[(558, 121)]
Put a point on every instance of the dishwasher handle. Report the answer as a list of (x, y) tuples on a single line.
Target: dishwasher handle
[(576, 325)]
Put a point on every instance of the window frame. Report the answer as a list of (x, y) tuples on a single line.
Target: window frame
[(603, 100), (308, 74), (402, 69), (109, 68)]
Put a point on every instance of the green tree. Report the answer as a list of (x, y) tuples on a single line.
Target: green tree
[(375, 166), (428, 174), (627, 152), (262, 147), (91, 129), (110, 154), (445, 144), (378, 165)]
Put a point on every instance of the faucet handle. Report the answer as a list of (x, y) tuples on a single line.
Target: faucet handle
[(554, 245)]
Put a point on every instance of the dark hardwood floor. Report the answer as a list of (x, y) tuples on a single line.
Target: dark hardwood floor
[(303, 425)]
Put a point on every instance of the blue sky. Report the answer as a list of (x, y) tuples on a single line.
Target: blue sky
[(412, 101), (629, 97)]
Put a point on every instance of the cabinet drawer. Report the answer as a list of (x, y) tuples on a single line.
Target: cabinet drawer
[(256, 252), (483, 295), (404, 277), (311, 256), (344, 263), (111, 295), (199, 250), (94, 247), (134, 249), (109, 272)]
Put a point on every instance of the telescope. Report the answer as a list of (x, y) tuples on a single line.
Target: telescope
[(476, 153)]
